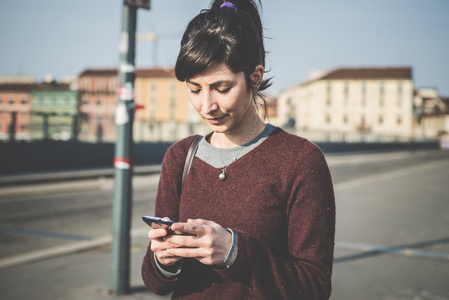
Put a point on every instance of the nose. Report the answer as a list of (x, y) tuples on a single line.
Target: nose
[(208, 104)]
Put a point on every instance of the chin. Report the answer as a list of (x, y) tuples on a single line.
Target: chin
[(218, 129)]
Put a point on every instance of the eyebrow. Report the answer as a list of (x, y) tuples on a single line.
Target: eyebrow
[(215, 84)]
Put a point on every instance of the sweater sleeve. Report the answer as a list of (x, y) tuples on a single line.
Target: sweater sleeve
[(167, 205), (304, 270)]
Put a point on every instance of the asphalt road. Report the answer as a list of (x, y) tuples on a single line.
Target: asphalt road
[(392, 239)]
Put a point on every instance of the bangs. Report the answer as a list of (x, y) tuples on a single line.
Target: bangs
[(201, 52)]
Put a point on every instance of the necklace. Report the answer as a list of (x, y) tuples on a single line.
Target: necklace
[(222, 175)]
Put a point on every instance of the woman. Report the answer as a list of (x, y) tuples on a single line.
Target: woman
[(257, 211)]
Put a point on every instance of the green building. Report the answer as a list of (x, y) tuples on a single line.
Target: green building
[(54, 111)]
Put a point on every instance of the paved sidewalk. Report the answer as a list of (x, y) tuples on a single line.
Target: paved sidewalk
[(81, 271), (82, 275)]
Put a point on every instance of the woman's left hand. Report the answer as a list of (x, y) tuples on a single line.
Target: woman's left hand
[(207, 241)]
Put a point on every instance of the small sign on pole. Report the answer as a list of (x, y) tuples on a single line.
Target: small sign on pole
[(138, 3)]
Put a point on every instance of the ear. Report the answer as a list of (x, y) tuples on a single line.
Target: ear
[(257, 77)]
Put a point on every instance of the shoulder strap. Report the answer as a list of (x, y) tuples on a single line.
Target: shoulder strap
[(190, 156)]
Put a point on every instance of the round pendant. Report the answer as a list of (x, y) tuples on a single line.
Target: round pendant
[(222, 176)]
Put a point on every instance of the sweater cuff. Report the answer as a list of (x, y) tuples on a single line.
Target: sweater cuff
[(232, 254), (170, 272)]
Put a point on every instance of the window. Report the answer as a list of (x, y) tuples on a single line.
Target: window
[(11, 101), (363, 87), (112, 85), (328, 119), (400, 87), (362, 123), (345, 119), (399, 120), (381, 120), (23, 101)]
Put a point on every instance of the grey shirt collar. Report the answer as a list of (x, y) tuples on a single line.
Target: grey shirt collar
[(211, 154)]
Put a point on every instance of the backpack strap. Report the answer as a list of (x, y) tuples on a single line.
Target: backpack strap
[(190, 156)]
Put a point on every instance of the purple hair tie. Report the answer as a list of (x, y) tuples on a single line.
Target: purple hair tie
[(227, 4)]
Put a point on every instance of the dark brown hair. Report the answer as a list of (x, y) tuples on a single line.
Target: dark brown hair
[(233, 36)]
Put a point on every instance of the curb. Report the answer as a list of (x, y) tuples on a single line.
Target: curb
[(71, 175)]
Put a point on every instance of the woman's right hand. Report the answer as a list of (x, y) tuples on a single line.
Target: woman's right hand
[(159, 247)]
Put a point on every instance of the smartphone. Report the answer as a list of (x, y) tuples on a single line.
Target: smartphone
[(157, 223)]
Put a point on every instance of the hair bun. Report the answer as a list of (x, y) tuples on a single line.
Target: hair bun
[(249, 6)]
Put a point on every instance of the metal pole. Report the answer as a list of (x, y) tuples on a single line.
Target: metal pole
[(121, 212)]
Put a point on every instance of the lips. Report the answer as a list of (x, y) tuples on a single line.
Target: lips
[(215, 120)]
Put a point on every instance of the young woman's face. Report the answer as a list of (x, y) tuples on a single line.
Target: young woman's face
[(222, 99)]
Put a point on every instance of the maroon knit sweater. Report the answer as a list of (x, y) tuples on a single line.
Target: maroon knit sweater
[(279, 200)]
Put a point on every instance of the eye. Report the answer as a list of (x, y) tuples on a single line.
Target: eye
[(225, 91), (195, 91)]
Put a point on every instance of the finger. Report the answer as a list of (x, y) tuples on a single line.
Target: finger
[(197, 253), (180, 241), (191, 228), (162, 245), (201, 222), (186, 252), (157, 233), (166, 258)]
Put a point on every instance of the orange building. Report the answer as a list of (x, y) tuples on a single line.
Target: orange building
[(167, 113)]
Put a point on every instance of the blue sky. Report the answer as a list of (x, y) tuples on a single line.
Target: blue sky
[(63, 38)]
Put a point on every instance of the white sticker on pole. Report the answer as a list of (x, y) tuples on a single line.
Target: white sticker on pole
[(121, 115), (127, 68), (122, 163), (123, 45), (126, 92)]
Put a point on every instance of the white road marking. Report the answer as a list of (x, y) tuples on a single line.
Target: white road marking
[(392, 250)]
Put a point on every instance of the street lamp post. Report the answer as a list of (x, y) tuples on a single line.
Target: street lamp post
[(121, 211)]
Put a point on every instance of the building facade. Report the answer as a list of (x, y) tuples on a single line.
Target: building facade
[(352, 104), (163, 112), (432, 113), (166, 112), (54, 111), (97, 89), (15, 110)]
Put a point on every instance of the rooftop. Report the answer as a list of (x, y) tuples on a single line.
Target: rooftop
[(154, 72), (368, 73)]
